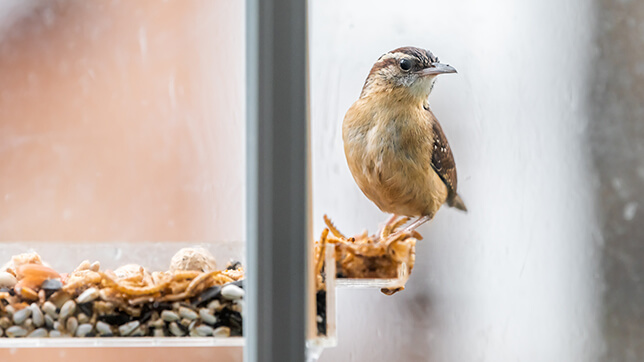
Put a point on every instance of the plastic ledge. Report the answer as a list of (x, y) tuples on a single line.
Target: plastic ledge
[(75, 342)]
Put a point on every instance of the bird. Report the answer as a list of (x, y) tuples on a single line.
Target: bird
[(394, 145)]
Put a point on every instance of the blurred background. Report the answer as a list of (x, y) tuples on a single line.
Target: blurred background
[(121, 122), (124, 121)]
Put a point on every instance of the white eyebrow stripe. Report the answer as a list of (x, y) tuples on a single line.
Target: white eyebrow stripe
[(385, 57), (394, 56)]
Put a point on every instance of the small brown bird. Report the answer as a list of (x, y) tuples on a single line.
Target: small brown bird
[(395, 147)]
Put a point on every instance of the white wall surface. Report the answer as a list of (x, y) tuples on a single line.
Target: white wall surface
[(515, 279)]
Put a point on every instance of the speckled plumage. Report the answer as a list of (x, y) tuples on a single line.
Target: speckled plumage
[(395, 147)]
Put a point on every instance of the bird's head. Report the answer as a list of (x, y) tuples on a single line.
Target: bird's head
[(409, 70)]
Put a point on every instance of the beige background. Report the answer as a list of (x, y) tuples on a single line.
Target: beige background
[(121, 121)]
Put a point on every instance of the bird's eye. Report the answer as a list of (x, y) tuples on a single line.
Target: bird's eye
[(405, 64)]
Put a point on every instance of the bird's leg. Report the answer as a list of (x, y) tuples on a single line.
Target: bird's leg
[(408, 230), (417, 223)]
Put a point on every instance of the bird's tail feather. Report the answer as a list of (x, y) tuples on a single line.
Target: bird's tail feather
[(457, 202)]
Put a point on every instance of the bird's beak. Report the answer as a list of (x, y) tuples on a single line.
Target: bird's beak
[(437, 68)]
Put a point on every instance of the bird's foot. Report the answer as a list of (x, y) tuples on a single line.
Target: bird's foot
[(408, 231), (394, 222)]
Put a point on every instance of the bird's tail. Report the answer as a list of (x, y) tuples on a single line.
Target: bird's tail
[(457, 202)]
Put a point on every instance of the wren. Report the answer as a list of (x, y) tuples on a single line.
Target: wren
[(395, 148)]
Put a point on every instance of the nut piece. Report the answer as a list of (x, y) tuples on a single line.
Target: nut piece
[(21, 259), (131, 272), (84, 265), (196, 259)]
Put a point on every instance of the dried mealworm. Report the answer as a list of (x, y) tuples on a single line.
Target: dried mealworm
[(200, 279), (157, 277), (335, 240), (320, 262), (147, 280), (234, 274), (82, 279), (179, 287), (195, 283), (134, 291), (143, 300), (185, 274), (332, 228), (112, 296)]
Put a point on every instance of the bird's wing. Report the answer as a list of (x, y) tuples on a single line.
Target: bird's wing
[(442, 158)]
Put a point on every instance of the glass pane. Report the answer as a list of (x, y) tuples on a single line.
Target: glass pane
[(519, 276), (122, 141)]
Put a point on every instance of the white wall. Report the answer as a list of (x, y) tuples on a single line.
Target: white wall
[(516, 278)]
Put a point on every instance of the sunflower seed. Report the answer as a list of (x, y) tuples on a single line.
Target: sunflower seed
[(138, 333), (204, 330), (36, 315), (84, 329), (67, 309), (169, 316), (16, 331), (95, 266), (20, 316), (71, 325), (10, 310), (221, 332), (82, 318), (5, 322), (237, 306), (50, 309), (232, 292), (128, 328), (215, 305), (157, 323), (103, 328), (38, 333), (87, 296), (60, 298), (175, 330), (185, 322), (187, 313), (55, 334), (207, 316)]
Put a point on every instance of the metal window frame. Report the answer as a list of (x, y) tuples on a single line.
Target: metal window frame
[(278, 182)]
